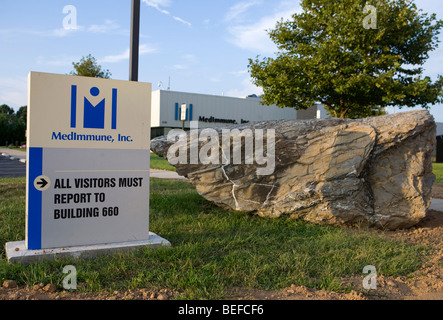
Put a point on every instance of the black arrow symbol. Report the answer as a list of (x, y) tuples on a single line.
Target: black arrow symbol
[(42, 183)]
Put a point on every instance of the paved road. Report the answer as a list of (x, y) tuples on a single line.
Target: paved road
[(19, 154), (436, 204), (17, 167), (163, 174), (11, 168)]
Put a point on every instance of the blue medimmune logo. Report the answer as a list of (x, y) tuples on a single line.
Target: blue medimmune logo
[(93, 114), (188, 112)]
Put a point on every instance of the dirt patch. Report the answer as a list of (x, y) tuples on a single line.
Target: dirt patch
[(425, 284), (41, 292)]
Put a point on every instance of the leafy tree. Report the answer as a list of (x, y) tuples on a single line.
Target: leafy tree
[(12, 125), (88, 67), (5, 109), (4, 129), (22, 113), (327, 54)]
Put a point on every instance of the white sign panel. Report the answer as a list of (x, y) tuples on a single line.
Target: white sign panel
[(88, 161), (183, 112)]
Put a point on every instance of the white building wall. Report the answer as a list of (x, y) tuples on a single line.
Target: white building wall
[(207, 106), (155, 111)]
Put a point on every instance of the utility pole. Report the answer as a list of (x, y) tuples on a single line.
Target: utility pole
[(135, 40)]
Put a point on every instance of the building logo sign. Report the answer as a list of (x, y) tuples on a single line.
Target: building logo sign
[(87, 161), (94, 112), (188, 112)]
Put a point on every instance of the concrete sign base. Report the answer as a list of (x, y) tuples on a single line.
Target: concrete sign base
[(16, 251)]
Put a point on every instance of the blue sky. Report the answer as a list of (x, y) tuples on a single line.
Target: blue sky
[(202, 46)]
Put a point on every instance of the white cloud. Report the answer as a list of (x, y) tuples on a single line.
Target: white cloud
[(116, 58), (62, 61), (254, 36), (8, 34), (60, 33), (182, 21), (159, 4), (237, 10), (106, 27), (239, 73), (247, 88), (109, 25), (143, 49)]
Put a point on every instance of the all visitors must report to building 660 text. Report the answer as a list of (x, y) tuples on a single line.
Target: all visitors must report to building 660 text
[(89, 197)]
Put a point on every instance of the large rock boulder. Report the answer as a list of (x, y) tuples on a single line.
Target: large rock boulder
[(375, 171)]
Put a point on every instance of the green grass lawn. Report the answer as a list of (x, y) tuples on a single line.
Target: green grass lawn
[(213, 250), (437, 168), (13, 148), (158, 162)]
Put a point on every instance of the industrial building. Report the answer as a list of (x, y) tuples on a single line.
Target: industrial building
[(214, 111)]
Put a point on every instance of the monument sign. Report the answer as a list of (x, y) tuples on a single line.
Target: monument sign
[(88, 156)]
